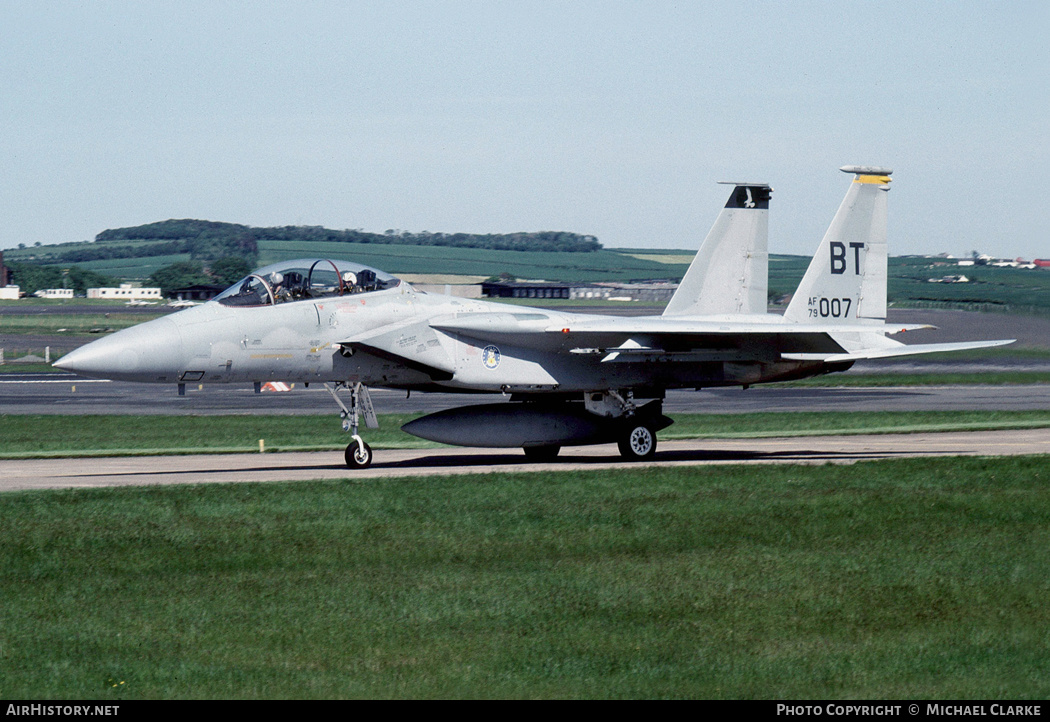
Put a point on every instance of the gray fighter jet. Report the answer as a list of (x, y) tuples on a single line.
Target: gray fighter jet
[(571, 379)]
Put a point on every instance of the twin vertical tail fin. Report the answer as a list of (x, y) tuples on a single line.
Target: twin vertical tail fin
[(730, 273), (846, 280)]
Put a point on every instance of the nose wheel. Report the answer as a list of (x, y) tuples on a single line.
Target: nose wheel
[(358, 455)]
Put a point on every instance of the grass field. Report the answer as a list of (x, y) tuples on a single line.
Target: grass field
[(919, 579), (46, 435), (72, 323), (59, 303)]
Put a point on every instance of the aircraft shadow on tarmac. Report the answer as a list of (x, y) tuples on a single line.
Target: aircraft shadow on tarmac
[(517, 460)]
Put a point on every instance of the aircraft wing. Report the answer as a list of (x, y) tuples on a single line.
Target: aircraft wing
[(661, 337), (715, 339), (535, 328)]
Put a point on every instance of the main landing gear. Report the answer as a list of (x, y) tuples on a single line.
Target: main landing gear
[(637, 443), (635, 426), (358, 454)]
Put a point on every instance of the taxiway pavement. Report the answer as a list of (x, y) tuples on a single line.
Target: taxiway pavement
[(20, 475)]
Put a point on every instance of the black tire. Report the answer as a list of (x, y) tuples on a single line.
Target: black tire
[(638, 443), (539, 454), (351, 456)]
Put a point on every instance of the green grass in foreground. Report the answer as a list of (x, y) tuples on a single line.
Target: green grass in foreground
[(923, 578), (48, 435)]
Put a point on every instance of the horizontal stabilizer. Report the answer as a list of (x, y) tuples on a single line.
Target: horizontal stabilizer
[(890, 351)]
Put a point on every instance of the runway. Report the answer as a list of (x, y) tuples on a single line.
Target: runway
[(420, 464), (67, 394)]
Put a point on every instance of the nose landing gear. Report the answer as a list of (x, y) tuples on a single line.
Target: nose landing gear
[(358, 454)]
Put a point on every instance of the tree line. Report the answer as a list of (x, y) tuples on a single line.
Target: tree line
[(208, 240), (211, 246)]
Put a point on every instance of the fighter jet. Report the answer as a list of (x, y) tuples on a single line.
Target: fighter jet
[(568, 378)]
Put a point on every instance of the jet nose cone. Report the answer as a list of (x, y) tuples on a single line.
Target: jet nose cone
[(140, 353)]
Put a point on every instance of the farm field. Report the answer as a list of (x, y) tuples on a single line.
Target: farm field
[(129, 269), (597, 266), (990, 288), (136, 269)]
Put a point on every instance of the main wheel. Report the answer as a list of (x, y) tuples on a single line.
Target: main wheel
[(638, 443), (358, 456), (541, 453)]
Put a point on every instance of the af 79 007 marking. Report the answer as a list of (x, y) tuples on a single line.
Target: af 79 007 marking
[(829, 307)]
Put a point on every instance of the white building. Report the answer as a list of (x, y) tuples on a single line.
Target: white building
[(126, 292), (9, 293), (54, 293)]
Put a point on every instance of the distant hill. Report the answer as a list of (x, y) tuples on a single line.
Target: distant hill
[(210, 240)]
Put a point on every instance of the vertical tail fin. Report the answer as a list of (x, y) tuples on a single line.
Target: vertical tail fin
[(846, 280), (730, 273)]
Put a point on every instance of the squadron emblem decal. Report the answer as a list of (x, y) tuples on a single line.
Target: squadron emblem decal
[(490, 357)]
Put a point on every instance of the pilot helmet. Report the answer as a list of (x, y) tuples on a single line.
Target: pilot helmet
[(276, 278)]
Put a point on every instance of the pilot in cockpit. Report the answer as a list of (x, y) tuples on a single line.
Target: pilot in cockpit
[(286, 286), (349, 282), (280, 291), (295, 283)]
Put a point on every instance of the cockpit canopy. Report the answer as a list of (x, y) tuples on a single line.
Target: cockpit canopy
[(304, 278)]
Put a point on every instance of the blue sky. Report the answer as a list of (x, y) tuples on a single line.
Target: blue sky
[(608, 118)]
